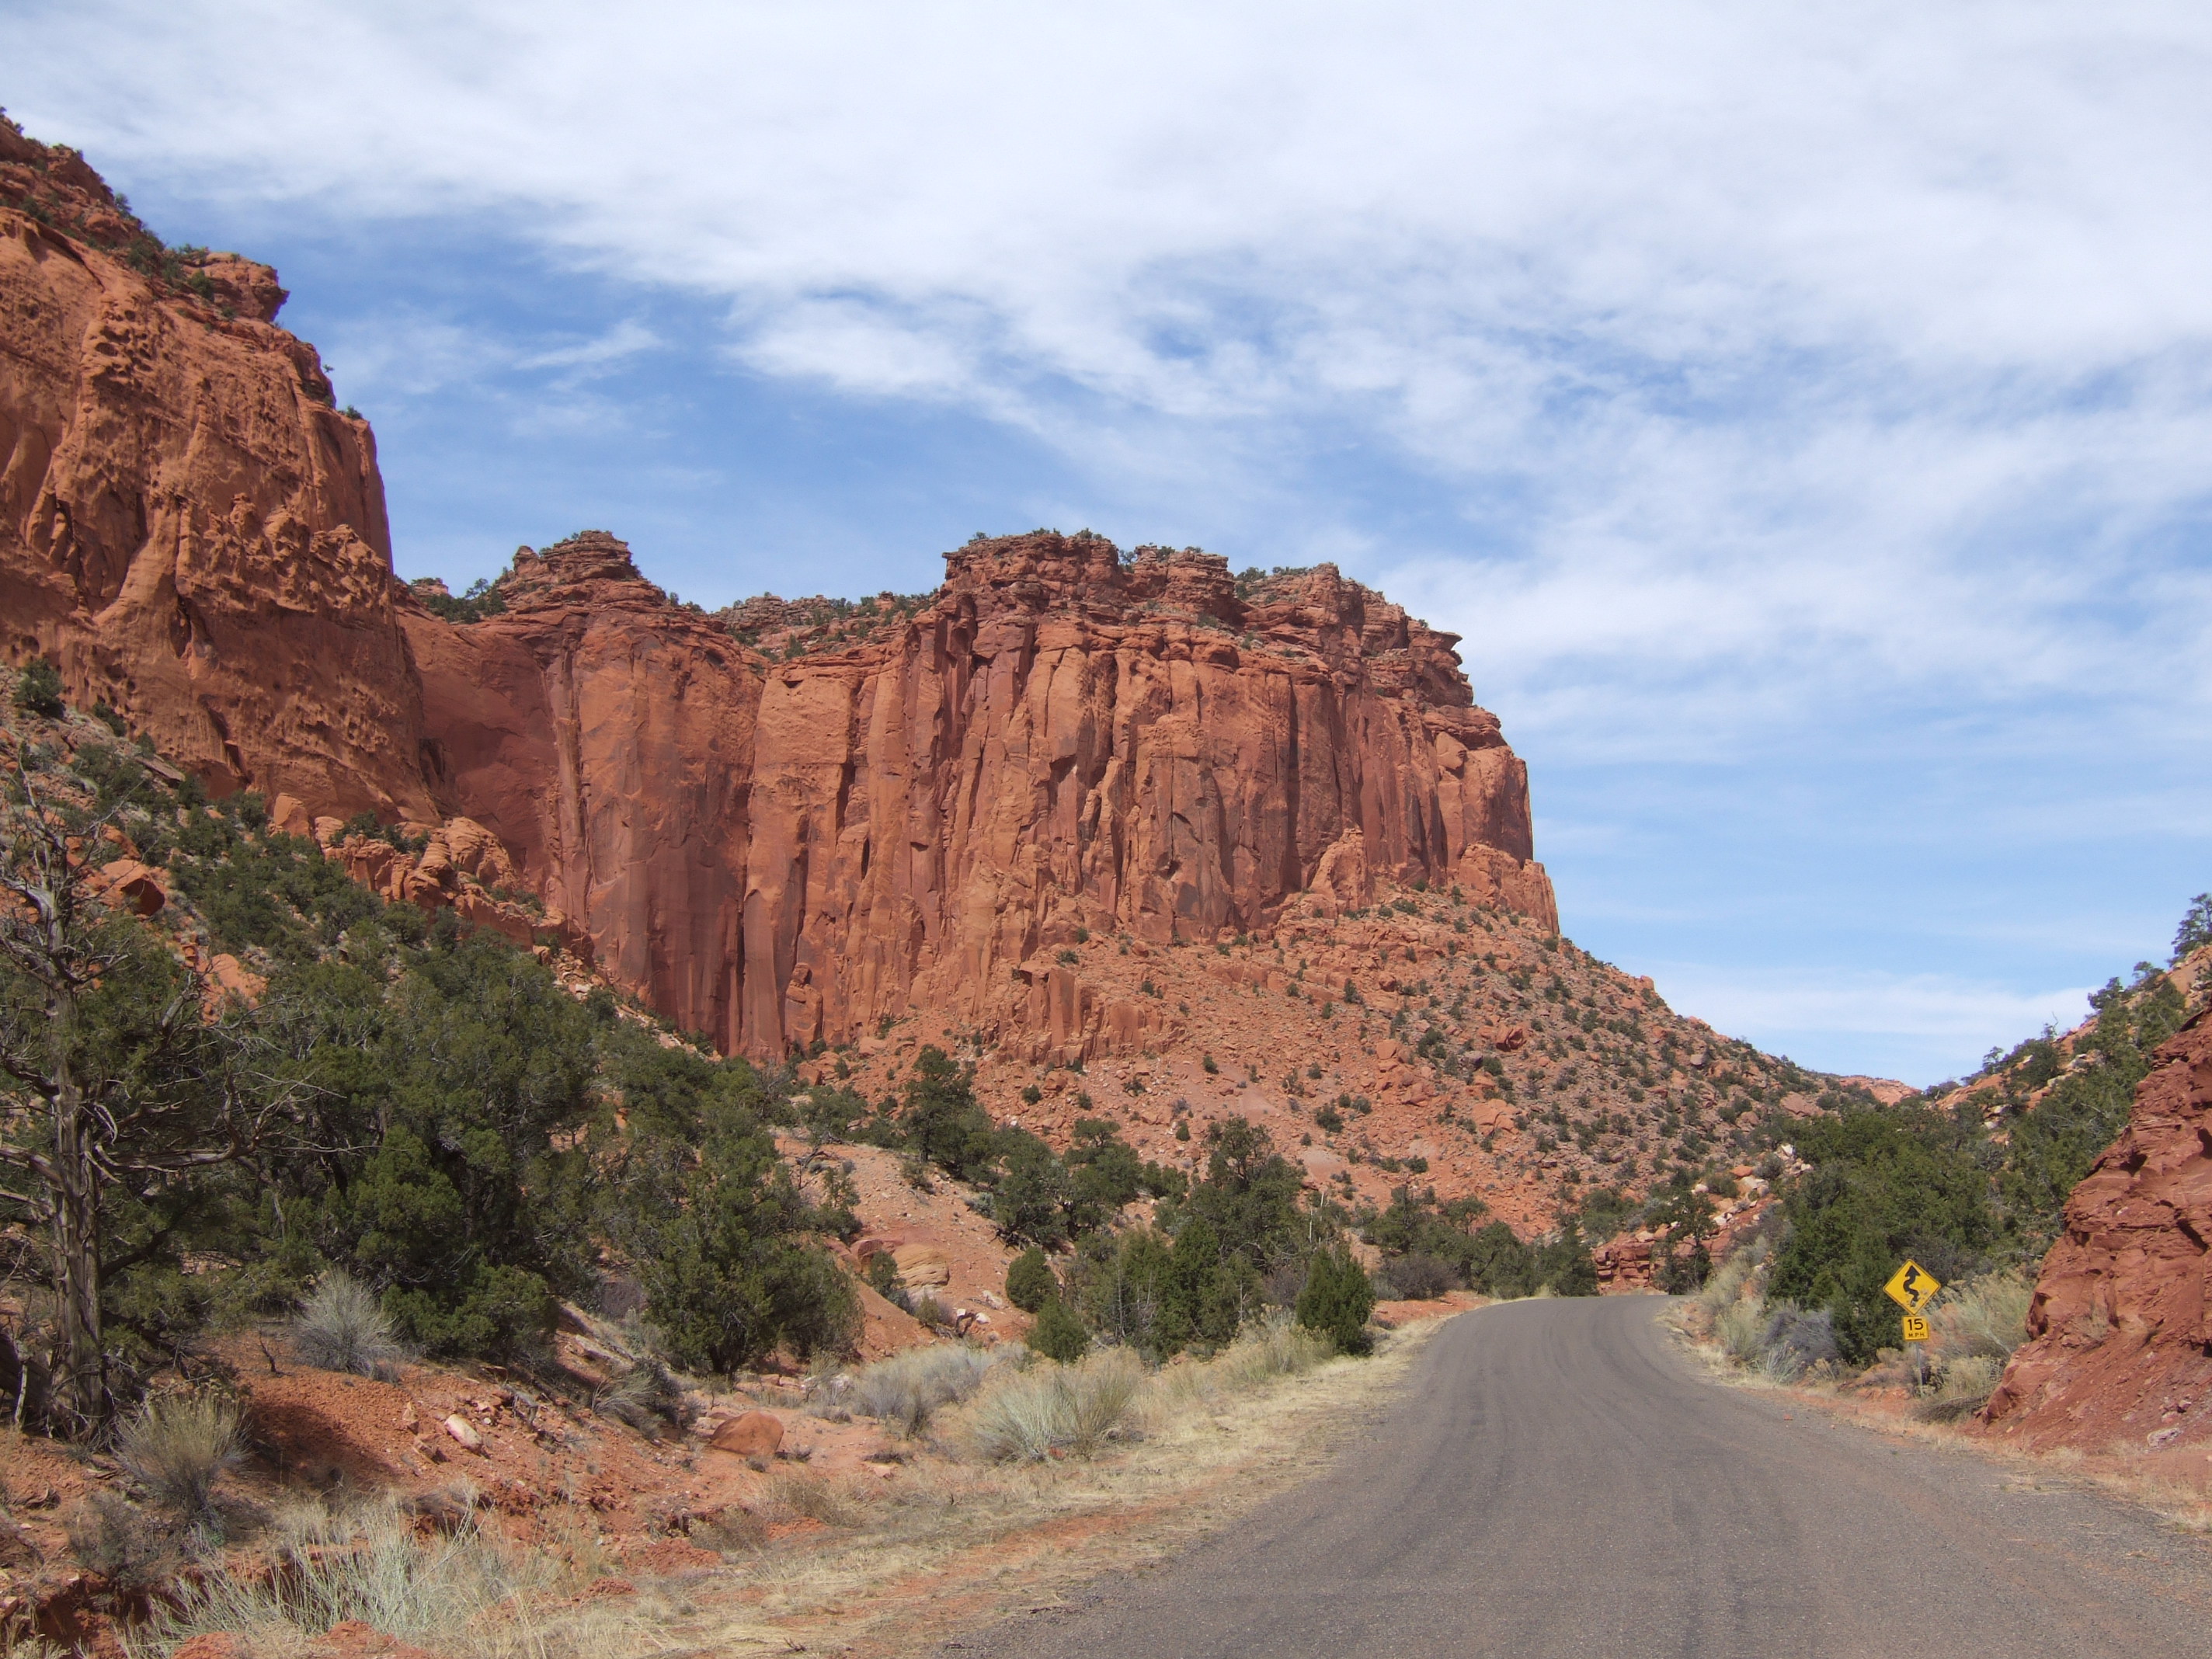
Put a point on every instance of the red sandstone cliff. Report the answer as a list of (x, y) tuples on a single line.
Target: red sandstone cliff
[(771, 851), (187, 527), (2120, 1329), (786, 852)]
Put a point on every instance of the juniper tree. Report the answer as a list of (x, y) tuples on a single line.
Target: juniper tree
[(112, 1074)]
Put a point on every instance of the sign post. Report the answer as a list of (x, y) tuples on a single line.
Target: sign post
[(1912, 1287)]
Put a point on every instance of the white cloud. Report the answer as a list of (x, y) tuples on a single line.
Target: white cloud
[(1742, 334), (1943, 1022), (408, 353)]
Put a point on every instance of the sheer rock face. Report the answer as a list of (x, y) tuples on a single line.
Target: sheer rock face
[(606, 736), (782, 852), (2120, 1327), (771, 851)]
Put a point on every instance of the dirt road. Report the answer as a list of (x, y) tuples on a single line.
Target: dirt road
[(1557, 1480)]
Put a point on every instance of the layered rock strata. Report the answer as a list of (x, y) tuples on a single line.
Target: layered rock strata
[(785, 852)]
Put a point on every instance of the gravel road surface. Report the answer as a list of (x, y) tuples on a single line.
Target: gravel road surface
[(1560, 1481)]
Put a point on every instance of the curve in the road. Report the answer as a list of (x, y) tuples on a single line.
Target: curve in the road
[(1557, 1480)]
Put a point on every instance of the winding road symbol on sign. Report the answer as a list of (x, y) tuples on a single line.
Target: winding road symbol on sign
[(1912, 1287)]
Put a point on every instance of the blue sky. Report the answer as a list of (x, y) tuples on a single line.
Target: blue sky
[(1807, 418)]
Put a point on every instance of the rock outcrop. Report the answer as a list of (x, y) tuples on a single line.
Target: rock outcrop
[(188, 527), (2120, 1328), (772, 852), (783, 852)]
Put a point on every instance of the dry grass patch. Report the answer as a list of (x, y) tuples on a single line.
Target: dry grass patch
[(1050, 1410), (466, 1592), (178, 1446)]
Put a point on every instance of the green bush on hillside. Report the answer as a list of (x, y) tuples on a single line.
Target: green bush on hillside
[(1885, 1185), (1058, 1333), (439, 1124), (1030, 1282), (1336, 1300), (38, 689)]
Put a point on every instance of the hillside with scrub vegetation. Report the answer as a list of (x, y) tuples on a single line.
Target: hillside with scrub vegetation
[(546, 1120), (369, 1193), (371, 1201), (1977, 1181)]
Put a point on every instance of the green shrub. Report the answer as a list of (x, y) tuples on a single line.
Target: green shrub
[(1418, 1277), (1058, 1333), (2195, 929), (480, 598), (1336, 1300), (38, 689), (1886, 1184), (943, 1119), (2052, 1147), (1030, 1282), (695, 1194)]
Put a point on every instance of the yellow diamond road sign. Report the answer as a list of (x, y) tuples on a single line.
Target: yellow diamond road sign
[(1912, 1287)]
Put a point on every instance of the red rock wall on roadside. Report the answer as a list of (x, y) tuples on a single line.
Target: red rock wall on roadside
[(770, 852), (2120, 1328)]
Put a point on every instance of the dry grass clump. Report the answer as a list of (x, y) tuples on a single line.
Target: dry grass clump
[(1051, 1410), (341, 1327), (1982, 1318), (904, 1388), (120, 1543), (647, 1397), (1961, 1387), (792, 1495), (177, 1447), (464, 1592), (1777, 1340), (1278, 1347)]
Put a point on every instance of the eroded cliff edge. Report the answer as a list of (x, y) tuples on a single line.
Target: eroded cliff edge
[(787, 852), (771, 853)]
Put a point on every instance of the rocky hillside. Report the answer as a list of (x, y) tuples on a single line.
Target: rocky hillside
[(2120, 1329), (1384, 1035)]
